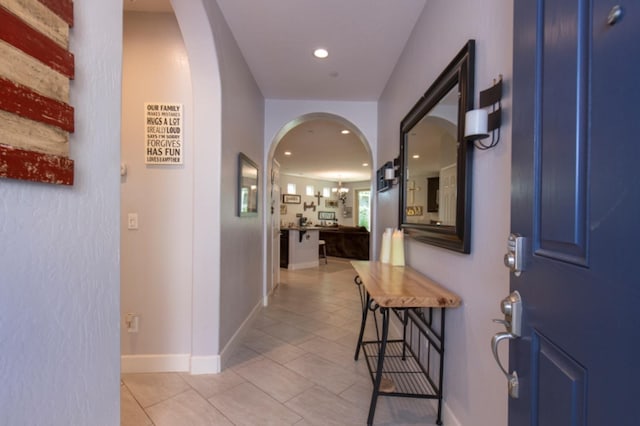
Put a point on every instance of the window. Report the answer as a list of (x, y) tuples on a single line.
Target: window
[(363, 198), (310, 190), (326, 192), (291, 188)]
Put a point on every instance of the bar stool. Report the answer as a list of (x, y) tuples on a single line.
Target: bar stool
[(323, 254)]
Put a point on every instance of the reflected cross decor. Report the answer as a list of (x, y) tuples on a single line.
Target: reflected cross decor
[(342, 196), (318, 196)]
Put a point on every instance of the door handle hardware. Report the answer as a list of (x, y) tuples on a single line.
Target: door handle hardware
[(503, 322), (512, 379), (511, 307), (514, 259)]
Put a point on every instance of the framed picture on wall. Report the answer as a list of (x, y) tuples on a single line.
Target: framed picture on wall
[(291, 199), (326, 215), (331, 203), (283, 209)]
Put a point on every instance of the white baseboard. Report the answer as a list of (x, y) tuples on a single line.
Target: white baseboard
[(303, 265), (185, 362), (205, 364), (448, 417), (236, 339), (154, 363)]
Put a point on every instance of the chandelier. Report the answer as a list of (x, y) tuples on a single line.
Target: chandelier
[(341, 192)]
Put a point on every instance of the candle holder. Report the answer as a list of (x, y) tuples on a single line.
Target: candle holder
[(480, 122)]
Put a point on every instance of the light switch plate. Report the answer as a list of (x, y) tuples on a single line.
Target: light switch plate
[(132, 221)]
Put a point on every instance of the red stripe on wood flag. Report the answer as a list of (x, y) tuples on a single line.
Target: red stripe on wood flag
[(62, 8), (20, 35), (21, 100), (34, 166)]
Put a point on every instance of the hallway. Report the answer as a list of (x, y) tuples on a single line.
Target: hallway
[(295, 367)]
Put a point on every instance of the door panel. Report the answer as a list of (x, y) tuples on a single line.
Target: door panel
[(556, 370), (576, 198), (562, 83)]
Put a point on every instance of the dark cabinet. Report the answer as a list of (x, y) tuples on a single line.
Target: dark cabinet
[(284, 249)]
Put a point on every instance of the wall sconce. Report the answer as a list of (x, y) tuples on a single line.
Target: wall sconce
[(479, 122), (387, 175)]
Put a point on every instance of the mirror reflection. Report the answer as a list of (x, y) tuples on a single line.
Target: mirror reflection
[(432, 165), (436, 160), (247, 186)]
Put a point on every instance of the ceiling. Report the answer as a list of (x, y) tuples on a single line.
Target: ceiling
[(277, 37), (320, 151)]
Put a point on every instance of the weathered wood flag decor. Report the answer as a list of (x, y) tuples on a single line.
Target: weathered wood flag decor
[(35, 69)]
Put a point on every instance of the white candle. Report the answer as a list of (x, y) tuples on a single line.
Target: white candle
[(475, 123), (397, 248), (385, 248)]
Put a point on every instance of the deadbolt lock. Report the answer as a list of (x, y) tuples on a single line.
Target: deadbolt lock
[(514, 259)]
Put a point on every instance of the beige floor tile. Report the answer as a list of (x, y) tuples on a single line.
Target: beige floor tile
[(282, 315), (324, 373), (295, 366), (274, 379), (131, 414), (208, 385), (262, 321), (330, 351), (318, 406), (242, 356), (311, 324), (391, 410), (187, 408), (328, 318), (151, 388), (333, 333), (272, 347), (288, 333), (246, 405)]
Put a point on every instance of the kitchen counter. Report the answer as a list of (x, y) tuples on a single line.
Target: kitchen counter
[(302, 242)]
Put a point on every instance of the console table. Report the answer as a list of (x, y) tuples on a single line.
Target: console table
[(414, 365)]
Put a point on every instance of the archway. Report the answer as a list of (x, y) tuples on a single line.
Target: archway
[(271, 202)]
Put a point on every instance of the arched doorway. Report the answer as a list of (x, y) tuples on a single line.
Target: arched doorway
[(327, 171)]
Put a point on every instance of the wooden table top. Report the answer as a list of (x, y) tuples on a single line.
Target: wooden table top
[(402, 287)]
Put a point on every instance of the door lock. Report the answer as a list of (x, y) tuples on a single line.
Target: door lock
[(511, 307), (514, 259)]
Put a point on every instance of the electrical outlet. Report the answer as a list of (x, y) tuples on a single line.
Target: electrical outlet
[(132, 221), (132, 321)]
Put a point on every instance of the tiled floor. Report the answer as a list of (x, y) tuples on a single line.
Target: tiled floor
[(295, 367)]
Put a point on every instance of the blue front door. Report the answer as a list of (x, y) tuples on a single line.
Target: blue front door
[(576, 200)]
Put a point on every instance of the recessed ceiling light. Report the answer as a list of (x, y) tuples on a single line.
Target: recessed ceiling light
[(320, 53), (345, 132), (287, 153), (365, 164), (415, 156)]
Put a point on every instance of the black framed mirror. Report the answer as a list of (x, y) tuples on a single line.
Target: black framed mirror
[(247, 186), (436, 161)]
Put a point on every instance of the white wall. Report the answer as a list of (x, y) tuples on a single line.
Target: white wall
[(195, 26), (59, 279), (475, 389), (301, 184), (241, 239), (156, 268)]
